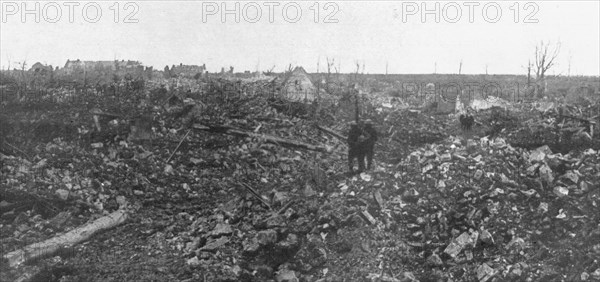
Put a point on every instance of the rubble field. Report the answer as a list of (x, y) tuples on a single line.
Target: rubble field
[(218, 187)]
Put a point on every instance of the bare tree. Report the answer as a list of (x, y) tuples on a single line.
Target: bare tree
[(23, 65), (318, 84), (269, 71), (318, 62), (460, 67), (529, 74), (386, 68), (330, 64), (545, 58), (8, 59), (23, 81)]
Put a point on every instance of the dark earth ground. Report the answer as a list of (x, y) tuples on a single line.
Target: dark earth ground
[(192, 219)]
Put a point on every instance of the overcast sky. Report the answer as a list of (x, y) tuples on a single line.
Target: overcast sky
[(376, 33)]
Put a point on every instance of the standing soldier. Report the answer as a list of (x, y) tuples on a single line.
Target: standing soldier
[(355, 150)]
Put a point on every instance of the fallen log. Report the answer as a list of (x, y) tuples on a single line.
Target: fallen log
[(17, 150), (267, 138), (331, 132), (99, 112), (580, 119), (255, 194), (188, 132), (287, 121), (66, 240)]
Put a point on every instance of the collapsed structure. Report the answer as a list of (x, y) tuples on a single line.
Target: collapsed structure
[(297, 86)]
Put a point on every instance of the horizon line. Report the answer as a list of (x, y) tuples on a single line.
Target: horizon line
[(2, 68)]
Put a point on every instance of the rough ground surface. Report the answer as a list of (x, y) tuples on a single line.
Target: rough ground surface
[(435, 208)]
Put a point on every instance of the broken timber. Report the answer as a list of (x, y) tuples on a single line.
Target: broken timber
[(64, 241), (255, 194), (266, 138), (331, 132), (588, 122)]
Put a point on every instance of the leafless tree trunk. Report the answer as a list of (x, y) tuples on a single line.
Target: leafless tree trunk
[(8, 59), (529, 74), (318, 61), (545, 56), (24, 81), (328, 78), (386, 68), (318, 94)]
